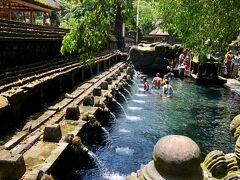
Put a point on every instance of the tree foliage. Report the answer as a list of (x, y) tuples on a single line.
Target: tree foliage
[(90, 21), (204, 25), (148, 15)]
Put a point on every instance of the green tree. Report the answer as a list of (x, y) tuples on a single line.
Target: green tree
[(90, 22), (203, 25), (148, 15)]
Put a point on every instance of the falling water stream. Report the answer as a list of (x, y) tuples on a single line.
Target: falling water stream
[(113, 116), (135, 83), (124, 97), (127, 92), (202, 113), (129, 85)]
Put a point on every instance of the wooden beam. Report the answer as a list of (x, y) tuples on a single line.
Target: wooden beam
[(4, 10), (10, 11), (32, 6)]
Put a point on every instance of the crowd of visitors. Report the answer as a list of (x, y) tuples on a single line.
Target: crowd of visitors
[(158, 84), (232, 64), (184, 62)]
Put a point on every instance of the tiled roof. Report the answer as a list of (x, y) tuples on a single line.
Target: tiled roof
[(159, 32)]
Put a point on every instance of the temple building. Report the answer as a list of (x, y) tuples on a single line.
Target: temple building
[(26, 10), (159, 35)]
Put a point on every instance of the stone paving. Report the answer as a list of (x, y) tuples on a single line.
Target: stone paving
[(234, 85)]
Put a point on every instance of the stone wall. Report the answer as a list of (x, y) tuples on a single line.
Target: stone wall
[(33, 96), (152, 58), (16, 53)]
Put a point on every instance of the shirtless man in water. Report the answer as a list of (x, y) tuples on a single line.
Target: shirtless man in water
[(157, 81)]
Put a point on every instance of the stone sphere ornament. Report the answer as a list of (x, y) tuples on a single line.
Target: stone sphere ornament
[(174, 157)]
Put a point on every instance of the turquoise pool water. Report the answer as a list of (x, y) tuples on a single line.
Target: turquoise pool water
[(202, 113)]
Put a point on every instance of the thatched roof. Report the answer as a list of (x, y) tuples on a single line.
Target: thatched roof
[(51, 4), (159, 32), (29, 5)]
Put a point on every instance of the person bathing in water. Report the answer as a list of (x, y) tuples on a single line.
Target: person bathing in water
[(157, 81), (167, 89), (145, 83)]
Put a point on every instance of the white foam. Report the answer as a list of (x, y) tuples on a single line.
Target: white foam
[(124, 131), (133, 118), (135, 108), (138, 101), (114, 176), (140, 95), (124, 150)]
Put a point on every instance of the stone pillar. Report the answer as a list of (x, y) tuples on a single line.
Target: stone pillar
[(12, 166), (82, 74), (88, 101), (104, 65), (121, 69), (114, 77), (174, 157), (97, 91), (118, 73), (4, 111), (104, 85), (91, 71), (109, 62), (52, 133), (72, 113), (109, 80), (98, 67)]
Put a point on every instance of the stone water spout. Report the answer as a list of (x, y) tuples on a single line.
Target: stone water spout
[(108, 98), (77, 146), (115, 90), (120, 85), (93, 121), (130, 70), (129, 78)]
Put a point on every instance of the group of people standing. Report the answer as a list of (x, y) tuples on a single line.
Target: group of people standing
[(231, 62), (159, 83)]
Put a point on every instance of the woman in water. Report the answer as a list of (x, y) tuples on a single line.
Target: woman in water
[(145, 83), (167, 89)]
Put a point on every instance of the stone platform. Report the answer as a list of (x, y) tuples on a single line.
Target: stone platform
[(40, 153)]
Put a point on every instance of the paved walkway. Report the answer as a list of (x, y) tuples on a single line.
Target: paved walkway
[(234, 85)]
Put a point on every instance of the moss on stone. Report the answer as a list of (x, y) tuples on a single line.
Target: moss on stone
[(234, 124)]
